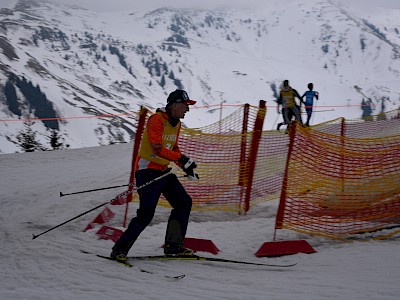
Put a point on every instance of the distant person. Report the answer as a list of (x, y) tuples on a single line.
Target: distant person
[(309, 102), (158, 148), (290, 109)]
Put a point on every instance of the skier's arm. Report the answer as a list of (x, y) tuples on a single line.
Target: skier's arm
[(302, 98), (296, 94), (279, 101)]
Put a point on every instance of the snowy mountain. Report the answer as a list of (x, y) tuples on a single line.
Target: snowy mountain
[(89, 72)]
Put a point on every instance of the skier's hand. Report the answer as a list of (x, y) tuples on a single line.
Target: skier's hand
[(187, 163), (188, 166), (192, 175)]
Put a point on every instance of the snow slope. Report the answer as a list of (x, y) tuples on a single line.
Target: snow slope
[(52, 266)]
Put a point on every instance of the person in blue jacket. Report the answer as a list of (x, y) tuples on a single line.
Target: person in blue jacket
[(309, 102)]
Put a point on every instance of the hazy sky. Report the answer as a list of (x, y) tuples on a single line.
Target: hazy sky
[(124, 5), (127, 5)]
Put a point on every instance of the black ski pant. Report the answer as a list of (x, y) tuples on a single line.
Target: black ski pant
[(291, 112), (173, 192)]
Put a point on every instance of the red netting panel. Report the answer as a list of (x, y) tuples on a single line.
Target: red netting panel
[(221, 152), (339, 186), (219, 167), (233, 123), (375, 126), (375, 129), (270, 166)]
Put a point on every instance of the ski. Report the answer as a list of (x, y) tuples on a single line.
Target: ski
[(124, 263), (212, 259), (129, 265)]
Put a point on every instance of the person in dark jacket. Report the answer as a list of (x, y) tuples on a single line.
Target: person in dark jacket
[(290, 109)]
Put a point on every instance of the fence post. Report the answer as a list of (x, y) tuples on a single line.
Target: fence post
[(342, 136), (138, 138), (243, 146), (282, 201), (255, 142)]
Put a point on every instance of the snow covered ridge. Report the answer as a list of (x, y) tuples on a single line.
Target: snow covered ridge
[(87, 63)]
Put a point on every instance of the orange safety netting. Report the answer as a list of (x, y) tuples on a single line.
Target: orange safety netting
[(224, 154), (342, 178), (335, 179)]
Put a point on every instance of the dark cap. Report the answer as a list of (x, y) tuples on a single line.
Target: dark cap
[(180, 96)]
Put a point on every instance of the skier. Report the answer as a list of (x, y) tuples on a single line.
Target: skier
[(309, 102), (158, 148), (287, 98)]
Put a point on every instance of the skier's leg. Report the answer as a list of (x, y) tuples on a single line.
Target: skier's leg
[(309, 113), (297, 114), (181, 204), (149, 196)]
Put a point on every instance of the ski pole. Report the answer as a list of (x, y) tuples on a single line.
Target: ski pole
[(105, 203), (93, 190)]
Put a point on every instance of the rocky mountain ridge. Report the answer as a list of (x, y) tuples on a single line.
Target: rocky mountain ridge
[(89, 72)]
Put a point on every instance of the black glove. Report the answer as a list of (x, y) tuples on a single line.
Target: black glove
[(188, 166), (187, 163)]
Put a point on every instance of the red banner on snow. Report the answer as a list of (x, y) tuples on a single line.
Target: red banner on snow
[(102, 218), (109, 233)]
